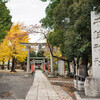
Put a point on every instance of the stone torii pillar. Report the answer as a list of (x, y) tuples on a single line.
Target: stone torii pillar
[(28, 59), (28, 55)]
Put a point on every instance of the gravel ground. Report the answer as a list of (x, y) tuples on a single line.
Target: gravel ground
[(14, 85)]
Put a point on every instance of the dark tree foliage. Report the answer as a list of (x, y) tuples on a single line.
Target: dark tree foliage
[(5, 19), (40, 53), (70, 20), (33, 54), (71, 25), (37, 54)]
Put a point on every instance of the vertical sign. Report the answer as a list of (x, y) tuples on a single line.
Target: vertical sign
[(95, 33)]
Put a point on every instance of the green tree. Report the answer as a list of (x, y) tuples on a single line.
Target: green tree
[(48, 21), (72, 28), (5, 19), (33, 54), (40, 53)]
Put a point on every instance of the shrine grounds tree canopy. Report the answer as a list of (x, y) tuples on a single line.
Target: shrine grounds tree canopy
[(5, 19), (70, 20)]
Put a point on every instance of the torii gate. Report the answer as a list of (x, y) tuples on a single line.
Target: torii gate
[(28, 54), (39, 60)]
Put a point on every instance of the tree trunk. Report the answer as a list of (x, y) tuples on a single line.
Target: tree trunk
[(74, 67), (8, 64), (85, 63), (3, 65), (51, 61), (13, 65), (68, 70), (22, 65)]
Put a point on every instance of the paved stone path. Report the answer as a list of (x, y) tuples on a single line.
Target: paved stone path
[(43, 90)]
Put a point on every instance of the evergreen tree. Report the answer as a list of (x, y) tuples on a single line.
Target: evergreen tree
[(5, 19), (72, 27)]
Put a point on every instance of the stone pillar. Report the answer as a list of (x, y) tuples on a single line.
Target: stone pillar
[(95, 26), (28, 59), (71, 67), (61, 66), (92, 84)]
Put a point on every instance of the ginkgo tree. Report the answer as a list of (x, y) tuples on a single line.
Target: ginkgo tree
[(15, 49), (4, 53)]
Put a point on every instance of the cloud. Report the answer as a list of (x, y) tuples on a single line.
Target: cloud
[(29, 11)]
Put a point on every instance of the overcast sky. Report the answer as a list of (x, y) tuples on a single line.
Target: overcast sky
[(27, 11)]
